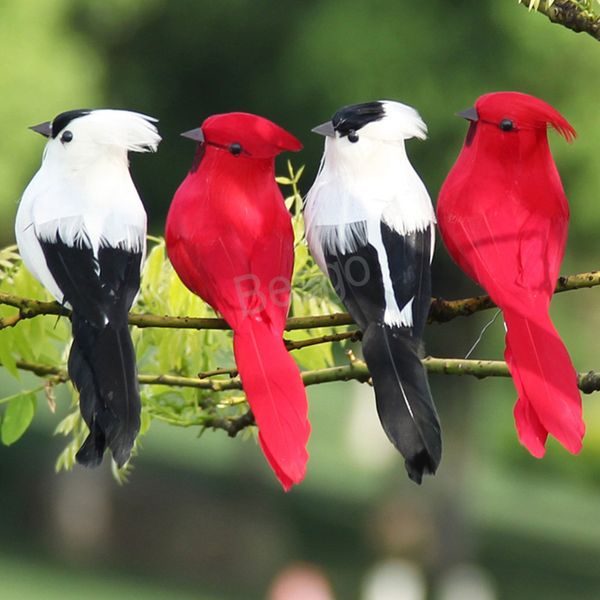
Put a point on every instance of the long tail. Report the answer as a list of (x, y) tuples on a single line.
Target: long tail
[(103, 369), (546, 381), (404, 402), (277, 397)]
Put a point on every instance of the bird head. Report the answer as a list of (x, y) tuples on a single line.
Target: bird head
[(358, 128), (368, 138), (244, 135), (504, 115), (83, 135)]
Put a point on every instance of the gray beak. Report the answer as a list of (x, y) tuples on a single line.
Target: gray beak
[(470, 114), (44, 129), (324, 129), (194, 134)]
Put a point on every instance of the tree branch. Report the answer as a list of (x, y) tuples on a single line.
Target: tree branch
[(441, 311), (232, 425), (357, 370), (570, 14)]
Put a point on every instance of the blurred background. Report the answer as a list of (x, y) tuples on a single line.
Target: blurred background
[(202, 517)]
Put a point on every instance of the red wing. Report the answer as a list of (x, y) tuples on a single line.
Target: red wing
[(235, 281), (273, 261), (508, 252), (215, 271), (541, 252)]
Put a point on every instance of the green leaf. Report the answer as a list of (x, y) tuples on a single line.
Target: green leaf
[(298, 174), (68, 424), (6, 356), (146, 420), (17, 418)]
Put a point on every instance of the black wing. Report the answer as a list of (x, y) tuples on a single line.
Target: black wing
[(97, 288), (357, 277), (102, 360), (404, 402), (357, 280), (409, 258)]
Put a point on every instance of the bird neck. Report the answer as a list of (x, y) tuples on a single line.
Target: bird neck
[(88, 160), (373, 163), (527, 147)]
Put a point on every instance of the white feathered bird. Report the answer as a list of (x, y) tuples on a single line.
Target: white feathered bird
[(81, 231), (371, 227)]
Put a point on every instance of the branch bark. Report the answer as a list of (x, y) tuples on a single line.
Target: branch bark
[(572, 15), (441, 311), (357, 370)]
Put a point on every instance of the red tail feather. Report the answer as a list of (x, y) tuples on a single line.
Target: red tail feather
[(277, 397), (549, 400)]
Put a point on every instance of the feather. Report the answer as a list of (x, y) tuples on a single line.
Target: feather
[(276, 395), (102, 366), (404, 402), (369, 223), (503, 216), (81, 230), (546, 382), (527, 111), (230, 239), (103, 370)]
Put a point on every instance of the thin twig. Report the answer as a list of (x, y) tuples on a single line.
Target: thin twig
[(354, 336), (217, 372), (232, 425)]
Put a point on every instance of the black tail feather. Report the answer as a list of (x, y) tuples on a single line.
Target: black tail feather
[(404, 401), (103, 369)]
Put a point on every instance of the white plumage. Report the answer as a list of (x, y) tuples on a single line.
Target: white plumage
[(360, 185), (370, 227), (81, 231), (83, 191)]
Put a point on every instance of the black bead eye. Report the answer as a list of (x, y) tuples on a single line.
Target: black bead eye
[(506, 125), (66, 137), (352, 136), (235, 149)]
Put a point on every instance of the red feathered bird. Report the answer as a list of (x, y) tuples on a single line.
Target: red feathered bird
[(230, 239), (503, 216)]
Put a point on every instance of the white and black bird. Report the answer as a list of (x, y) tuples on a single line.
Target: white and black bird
[(81, 231), (371, 227)]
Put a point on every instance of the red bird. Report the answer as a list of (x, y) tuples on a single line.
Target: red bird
[(503, 216), (230, 239)]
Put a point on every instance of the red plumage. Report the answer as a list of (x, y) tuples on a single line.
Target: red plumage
[(230, 239), (503, 216)]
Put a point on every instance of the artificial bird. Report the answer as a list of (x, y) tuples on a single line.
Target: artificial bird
[(371, 228), (229, 237), (81, 231), (503, 216)]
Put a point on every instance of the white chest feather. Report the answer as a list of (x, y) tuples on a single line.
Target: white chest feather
[(96, 207), (375, 185)]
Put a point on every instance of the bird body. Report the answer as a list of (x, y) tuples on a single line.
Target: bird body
[(370, 227), (230, 239), (504, 216), (81, 230)]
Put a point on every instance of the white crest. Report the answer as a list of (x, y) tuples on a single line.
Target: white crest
[(103, 132), (401, 122)]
